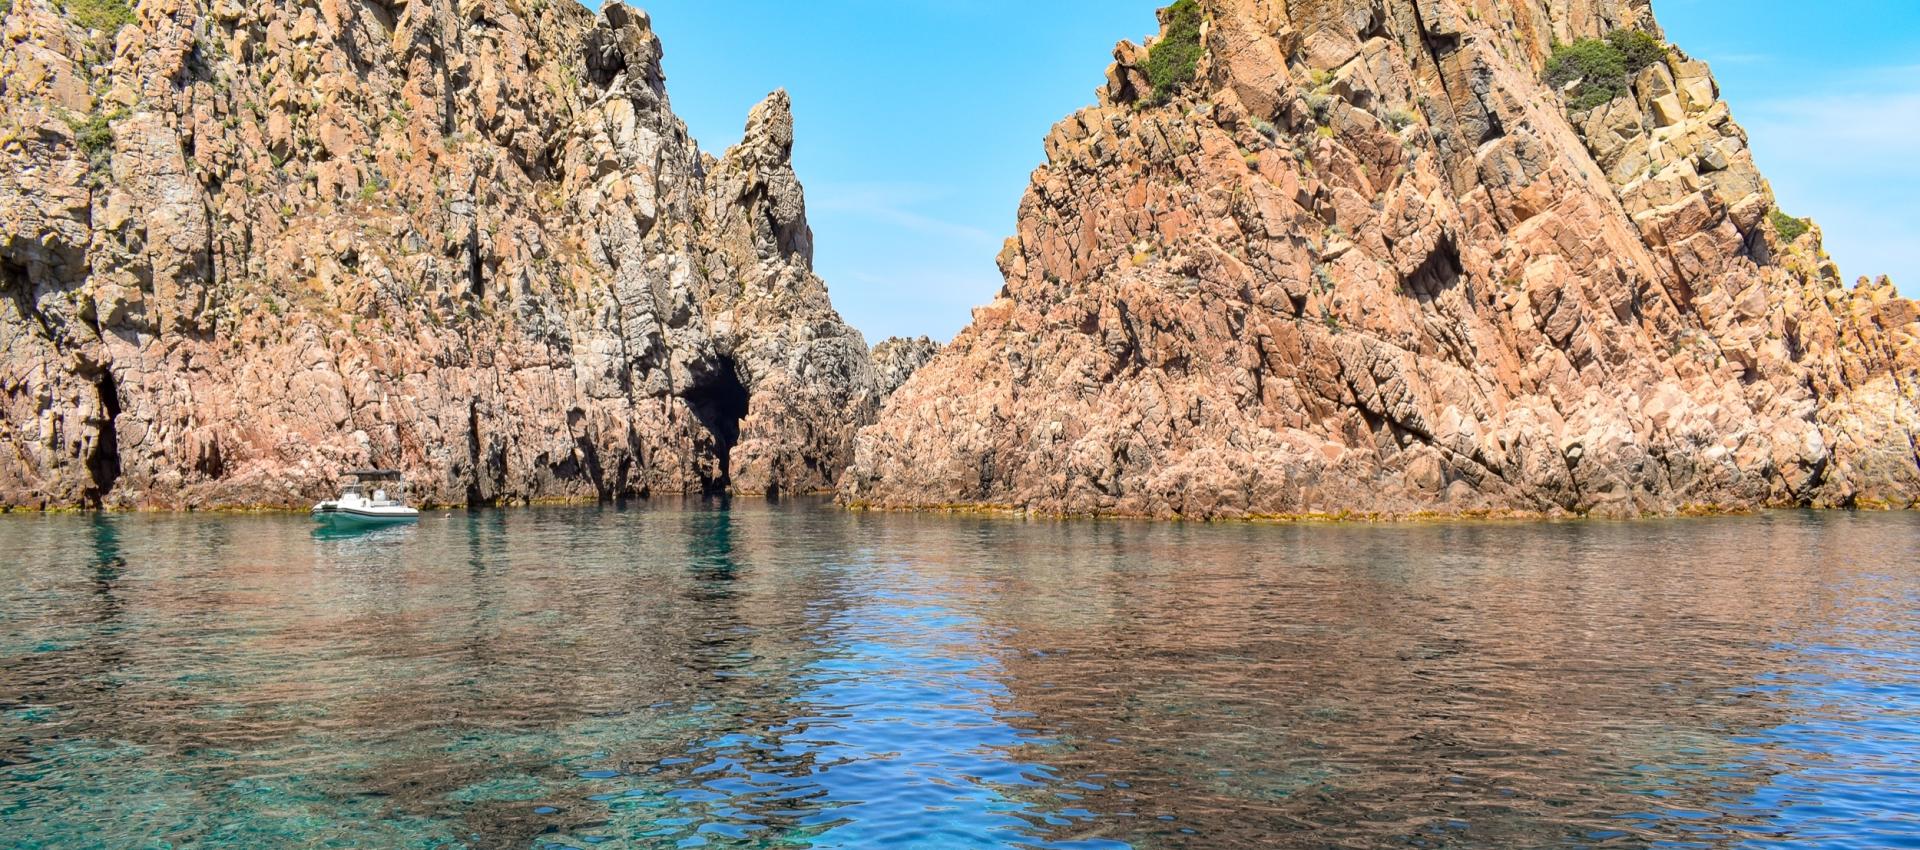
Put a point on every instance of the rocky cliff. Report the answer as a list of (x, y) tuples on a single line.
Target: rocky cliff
[(1405, 256), (896, 358), (245, 245)]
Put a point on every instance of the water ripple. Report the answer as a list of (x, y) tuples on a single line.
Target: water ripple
[(790, 675)]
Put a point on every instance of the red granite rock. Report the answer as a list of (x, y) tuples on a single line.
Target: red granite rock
[(1368, 262), (244, 246)]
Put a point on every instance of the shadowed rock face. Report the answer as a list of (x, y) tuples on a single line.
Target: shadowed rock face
[(896, 358), (243, 246), (1368, 262)]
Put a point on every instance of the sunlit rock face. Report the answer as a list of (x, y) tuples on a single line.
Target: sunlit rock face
[(245, 245), (896, 358), (1369, 261)]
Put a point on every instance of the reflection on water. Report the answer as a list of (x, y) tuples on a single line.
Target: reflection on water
[(793, 676)]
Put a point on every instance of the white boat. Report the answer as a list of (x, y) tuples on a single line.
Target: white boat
[(370, 497)]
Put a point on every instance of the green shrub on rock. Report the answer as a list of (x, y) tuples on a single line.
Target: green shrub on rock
[(1637, 48), (1602, 67), (93, 135), (1598, 67), (107, 16), (1789, 228), (1172, 61)]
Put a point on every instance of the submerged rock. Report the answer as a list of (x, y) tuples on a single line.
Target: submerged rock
[(243, 246), (1368, 261)]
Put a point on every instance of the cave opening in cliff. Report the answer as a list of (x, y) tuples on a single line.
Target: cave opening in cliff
[(1438, 273), (719, 401), (476, 269), (478, 496), (103, 460)]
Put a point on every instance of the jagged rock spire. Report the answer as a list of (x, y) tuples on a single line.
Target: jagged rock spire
[(264, 242)]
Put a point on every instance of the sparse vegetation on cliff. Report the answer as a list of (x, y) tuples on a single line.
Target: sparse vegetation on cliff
[(1598, 68), (107, 16), (1789, 228), (1601, 67), (93, 134), (371, 190), (1172, 61), (1638, 49)]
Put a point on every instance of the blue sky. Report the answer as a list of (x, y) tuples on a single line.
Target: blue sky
[(919, 122), (1830, 96)]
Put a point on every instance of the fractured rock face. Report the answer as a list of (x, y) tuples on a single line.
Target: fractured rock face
[(245, 246), (1368, 262), (895, 359)]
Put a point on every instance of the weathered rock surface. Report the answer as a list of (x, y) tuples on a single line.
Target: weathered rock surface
[(1367, 262), (243, 246), (896, 358)]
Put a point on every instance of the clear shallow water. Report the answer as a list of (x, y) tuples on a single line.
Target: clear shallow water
[(794, 676)]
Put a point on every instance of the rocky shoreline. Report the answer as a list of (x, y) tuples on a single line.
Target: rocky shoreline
[(1367, 518)]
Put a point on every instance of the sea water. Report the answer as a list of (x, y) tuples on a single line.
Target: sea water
[(791, 675)]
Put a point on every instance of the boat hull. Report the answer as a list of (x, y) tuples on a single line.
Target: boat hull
[(349, 518)]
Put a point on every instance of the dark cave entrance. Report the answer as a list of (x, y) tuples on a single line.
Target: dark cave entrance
[(719, 401), (103, 462), (1440, 272)]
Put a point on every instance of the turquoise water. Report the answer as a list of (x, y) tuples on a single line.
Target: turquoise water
[(793, 676)]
